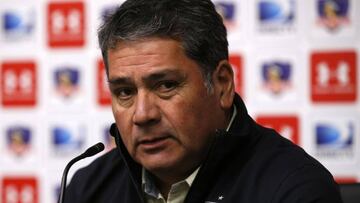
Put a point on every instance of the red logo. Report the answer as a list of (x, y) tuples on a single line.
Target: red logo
[(104, 96), (19, 190), (333, 77), (345, 179), (287, 126), (236, 63), (18, 83), (66, 26)]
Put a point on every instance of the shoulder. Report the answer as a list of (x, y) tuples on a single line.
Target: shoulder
[(282, 151), (279, 155), (294, 175), (100, 167), (309, 183), (98, 176)]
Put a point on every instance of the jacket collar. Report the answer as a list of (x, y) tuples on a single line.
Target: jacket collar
[(243, 122), (133, 167), (238, 141)]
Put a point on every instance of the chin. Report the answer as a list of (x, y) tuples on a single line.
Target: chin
[(161, 164)]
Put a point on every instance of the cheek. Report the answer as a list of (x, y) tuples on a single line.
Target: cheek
[(190, 119), (122, 117), (123, 124)]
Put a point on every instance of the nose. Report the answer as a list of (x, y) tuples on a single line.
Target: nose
[(146, 111)]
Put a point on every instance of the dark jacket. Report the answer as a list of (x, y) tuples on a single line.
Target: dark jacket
[(249, 164)]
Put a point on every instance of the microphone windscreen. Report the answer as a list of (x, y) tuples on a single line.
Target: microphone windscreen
[(94, 149)]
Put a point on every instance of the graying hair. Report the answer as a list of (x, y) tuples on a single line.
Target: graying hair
[(194, 23)]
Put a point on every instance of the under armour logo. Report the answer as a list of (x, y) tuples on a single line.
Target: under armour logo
[(341, 74)]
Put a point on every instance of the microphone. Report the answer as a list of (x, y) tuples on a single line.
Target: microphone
[(88, 153)]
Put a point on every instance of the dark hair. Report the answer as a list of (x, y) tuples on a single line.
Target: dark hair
[(194, 23)]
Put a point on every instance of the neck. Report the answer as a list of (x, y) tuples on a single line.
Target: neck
[(164, 187)]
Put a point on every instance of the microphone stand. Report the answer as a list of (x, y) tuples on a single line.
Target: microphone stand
[(89, 152)]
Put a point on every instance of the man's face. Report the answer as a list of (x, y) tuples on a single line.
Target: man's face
[(163, 110)]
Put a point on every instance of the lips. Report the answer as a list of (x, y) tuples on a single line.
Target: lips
[(154, 144)]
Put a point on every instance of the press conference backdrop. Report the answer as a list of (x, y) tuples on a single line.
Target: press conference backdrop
[(295, 63)]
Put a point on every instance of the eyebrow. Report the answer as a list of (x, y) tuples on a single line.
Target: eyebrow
[(120, 80), (155, 76)]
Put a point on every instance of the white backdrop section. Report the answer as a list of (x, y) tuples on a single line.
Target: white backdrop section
[(297, 71)]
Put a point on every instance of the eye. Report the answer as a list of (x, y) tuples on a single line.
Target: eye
[(124, 93), (167, 86)]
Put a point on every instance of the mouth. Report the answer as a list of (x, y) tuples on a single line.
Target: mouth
[(152, 145)]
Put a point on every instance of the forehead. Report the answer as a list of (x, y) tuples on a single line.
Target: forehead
[(146, 46), (146, 55)]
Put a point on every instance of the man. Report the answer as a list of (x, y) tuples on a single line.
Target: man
[(182, 133)]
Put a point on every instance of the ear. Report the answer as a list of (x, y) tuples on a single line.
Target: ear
[(223, 78)]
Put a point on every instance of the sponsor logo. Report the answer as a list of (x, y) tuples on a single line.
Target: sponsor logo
[(276, 76), (104, 95), (333, 14), (227, 10), (66, 81), (333, 76), (345, 179), (276, 15), (287, 126), (236, 63), (67, 140), (18, 139), (19, 190), (18, 23), (66, 24), (335, 139), (18, 83)]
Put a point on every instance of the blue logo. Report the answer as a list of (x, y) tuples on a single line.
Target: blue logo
[(331, 136), (276, 15), (333, 13), (18, 24), (276, 76), (67, 81), (18, 139), (67, 140), (227, 11)]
